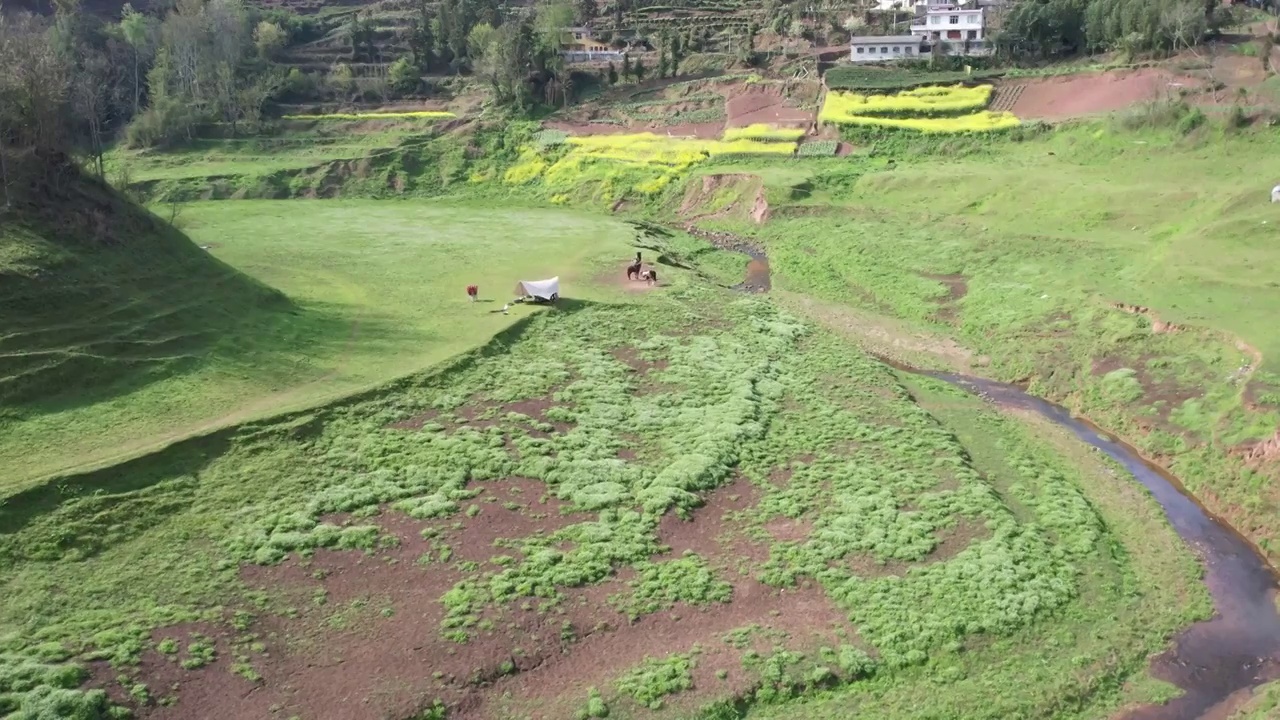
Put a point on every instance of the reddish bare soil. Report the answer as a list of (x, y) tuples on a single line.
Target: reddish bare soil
[(351, 634), (618, 279), (1165, 394), (948, 311), (801, 617), (743, 185), (765, 106), (633, 359), (1157, 325), (1060, 98)]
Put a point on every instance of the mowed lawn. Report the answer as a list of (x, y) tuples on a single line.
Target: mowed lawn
[(379, 290)]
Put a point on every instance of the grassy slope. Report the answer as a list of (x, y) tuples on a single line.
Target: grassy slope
[(744, 386), (377, 290), (1049, 234), (1096, 660)]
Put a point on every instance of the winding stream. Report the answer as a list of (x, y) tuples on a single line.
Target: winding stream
[(1237, 649), (1214, 662)]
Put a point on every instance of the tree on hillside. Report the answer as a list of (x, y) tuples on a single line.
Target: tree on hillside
[(613, 74), (341, 81), (269, 39), (457, 18), (550, 20), (639, 70), (37, 120), (501, 56), (422, 40), (360, 36), (139, 31)]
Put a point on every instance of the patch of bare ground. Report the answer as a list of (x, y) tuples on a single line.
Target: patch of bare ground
[(361, 637), (479, 414), (167, 679), (1068, 96), (950, 542), (766, 105), (1258, 396), (1261, 452), (948, 312), (711, 532), (803, 616), (417, 422), (1158, 326), (632, 358), (696, 196), (784, 529), (1164, 394), (619, 279)]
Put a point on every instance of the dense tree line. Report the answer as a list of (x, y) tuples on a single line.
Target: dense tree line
[(1052, 27)]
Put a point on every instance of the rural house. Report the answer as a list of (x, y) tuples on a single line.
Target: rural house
[(962, 30), (579, 45), (882, 48)]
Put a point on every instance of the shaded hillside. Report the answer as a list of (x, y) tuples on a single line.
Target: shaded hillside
[(98, 295)]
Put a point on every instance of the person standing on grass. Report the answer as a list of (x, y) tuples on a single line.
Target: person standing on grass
[(472, 292)]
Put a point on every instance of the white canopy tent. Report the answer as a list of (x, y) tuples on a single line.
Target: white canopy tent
[(539, 289)]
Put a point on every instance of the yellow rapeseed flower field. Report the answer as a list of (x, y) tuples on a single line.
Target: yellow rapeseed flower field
[(933, 109), (648, 148), (931, 100), (984, 121), (762, 131), (643, 162), (414, 115)]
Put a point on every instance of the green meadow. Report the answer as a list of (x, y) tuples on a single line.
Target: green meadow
[(283, 464), (374, 291)]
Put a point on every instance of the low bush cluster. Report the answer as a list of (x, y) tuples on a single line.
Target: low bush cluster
[(654, 679)]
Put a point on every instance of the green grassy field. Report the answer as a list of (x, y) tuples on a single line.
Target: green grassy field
[(376, 292), (517, 510), (1021, 252), (506, 527)]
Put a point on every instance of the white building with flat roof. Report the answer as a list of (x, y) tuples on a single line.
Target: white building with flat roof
[(962, 29), (884, 48)]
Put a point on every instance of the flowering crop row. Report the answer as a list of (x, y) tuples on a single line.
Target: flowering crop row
[(933, 109), (984, 121), (415, 115), (926, 101), (762, 131), (648, 148)]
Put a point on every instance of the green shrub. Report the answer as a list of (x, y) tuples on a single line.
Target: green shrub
[(818, 148), (404, 75), (653, 679)]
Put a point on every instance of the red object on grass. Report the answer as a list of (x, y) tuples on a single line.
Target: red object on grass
[(472, 290)]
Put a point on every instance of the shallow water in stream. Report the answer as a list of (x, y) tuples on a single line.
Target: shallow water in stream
[(1214, 662)]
